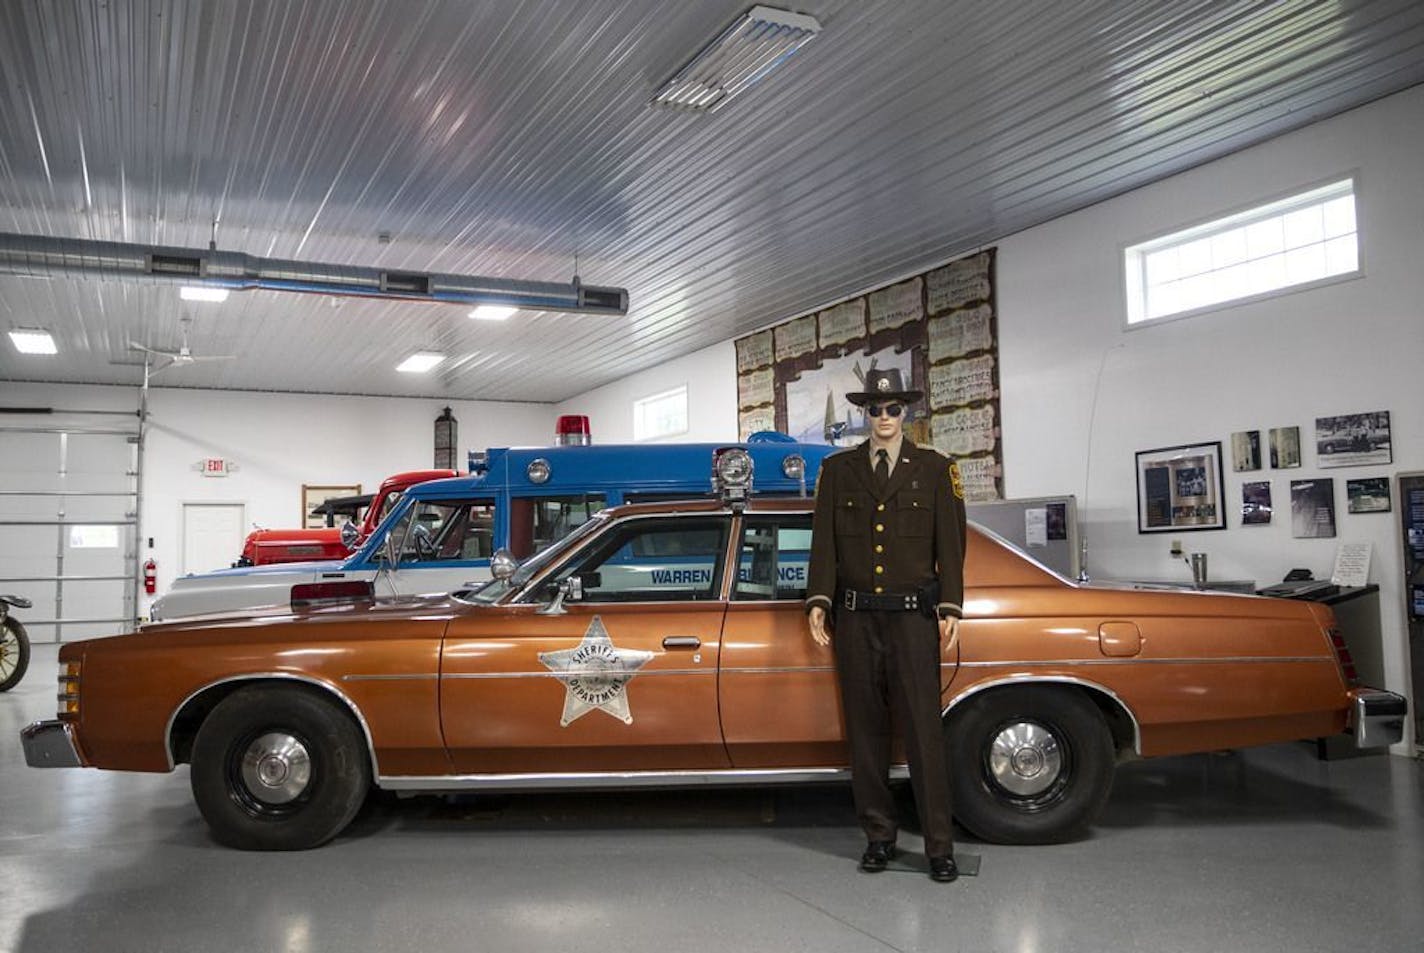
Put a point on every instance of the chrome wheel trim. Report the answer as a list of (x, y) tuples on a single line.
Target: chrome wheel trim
[(1025, 759), (276, 768)]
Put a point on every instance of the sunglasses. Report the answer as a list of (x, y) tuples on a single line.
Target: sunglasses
[(891, 410)]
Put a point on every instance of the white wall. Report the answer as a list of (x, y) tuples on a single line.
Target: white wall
[(279, 442), (1344, 348), (711, 378)]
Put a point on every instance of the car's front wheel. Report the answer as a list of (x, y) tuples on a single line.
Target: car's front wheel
[(278, 768), (1030, 764)]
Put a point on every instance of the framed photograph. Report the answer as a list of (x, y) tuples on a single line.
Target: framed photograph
[(1285, 448), (1179, 489), (1246, 450), (1313, 509), (1256, 503), (1370, 495), (1354, 440), (315, 494)]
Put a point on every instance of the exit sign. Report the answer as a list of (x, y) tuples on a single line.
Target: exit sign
[(214, 467)]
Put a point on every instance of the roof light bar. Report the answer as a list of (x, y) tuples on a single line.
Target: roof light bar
[(754, 45)]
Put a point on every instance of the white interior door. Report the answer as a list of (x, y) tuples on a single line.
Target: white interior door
[(212, 535)]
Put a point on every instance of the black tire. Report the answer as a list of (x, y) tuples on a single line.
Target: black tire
[(14, 653), (1031, 764), (279, 768)]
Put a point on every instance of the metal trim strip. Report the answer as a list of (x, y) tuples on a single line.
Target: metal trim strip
[(619, 779), (1225, 660)]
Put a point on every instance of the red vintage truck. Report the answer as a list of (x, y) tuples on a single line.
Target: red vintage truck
[(266, 546)]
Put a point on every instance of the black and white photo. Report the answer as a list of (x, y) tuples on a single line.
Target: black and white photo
[(1353, 440), (1285, 448), (1246, 451), (1313, 508), (1369, 495), (1256, 503)]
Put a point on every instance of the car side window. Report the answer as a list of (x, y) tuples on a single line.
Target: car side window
[(447, 531), (773, 557), (655, 560), (537, 522)]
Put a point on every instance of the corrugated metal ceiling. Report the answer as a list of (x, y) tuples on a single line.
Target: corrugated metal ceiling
[(510, 138)]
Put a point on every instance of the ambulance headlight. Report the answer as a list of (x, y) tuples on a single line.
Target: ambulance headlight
[(794, 466), (732, 471), (538, 470)]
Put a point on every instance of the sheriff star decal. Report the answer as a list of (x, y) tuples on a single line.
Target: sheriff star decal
[(595, 674)]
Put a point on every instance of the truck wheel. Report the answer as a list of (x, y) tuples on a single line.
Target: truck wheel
[(1030, 764), (14, 654), (278, 768)]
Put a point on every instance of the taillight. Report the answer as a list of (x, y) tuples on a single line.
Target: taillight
[(1342, 655), (69, 690)]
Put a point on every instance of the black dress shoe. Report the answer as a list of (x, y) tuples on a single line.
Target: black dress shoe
[(877, 855), (943, 870)]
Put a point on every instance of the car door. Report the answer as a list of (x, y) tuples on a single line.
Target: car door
[(623, 679), (779, 697)]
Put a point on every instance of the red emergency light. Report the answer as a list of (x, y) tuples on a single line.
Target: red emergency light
[(572, 430)]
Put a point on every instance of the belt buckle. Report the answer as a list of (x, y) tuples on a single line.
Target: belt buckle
[(849, 599)]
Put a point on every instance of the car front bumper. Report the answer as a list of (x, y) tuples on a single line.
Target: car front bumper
[(50, 744), (1378, 718)]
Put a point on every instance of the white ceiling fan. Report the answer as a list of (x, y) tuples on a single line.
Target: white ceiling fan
[(183, 356)]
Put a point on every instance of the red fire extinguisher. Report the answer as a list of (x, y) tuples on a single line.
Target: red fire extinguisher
[(150, 577)]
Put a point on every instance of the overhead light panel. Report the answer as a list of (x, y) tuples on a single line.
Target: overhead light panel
[(33, 341), (492, 312), (420, 362), (202, 293), (754, 45)]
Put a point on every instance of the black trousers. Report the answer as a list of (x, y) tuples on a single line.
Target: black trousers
[(888, 663)]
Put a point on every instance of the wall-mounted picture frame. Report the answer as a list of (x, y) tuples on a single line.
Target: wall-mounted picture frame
[(1285, 448), (1313, 508), (1369, 495), (315, 494), (1246, 451), (1179, 489), (1353, 440), (1256, 503)]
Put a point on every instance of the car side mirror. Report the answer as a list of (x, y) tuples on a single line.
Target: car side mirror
[(569, 589), (503, 564), (350, 534)]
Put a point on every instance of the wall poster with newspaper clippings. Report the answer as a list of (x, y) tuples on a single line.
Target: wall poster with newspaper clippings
[(939, 328)]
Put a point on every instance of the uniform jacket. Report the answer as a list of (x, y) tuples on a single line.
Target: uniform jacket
[(890, 540)]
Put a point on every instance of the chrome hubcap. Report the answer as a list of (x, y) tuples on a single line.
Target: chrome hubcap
[(1025, 759), (276, 768)]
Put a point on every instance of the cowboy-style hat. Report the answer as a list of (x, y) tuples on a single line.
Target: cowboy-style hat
[(882, 386)]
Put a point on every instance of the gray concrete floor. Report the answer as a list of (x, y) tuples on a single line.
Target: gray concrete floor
[(1266, 850)]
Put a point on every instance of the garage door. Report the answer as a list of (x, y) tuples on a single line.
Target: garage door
[(68, 517)]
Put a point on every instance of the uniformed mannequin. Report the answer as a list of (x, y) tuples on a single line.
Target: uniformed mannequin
[(887, 560)]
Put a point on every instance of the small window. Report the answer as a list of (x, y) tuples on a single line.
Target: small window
[(687, 564), (661, 415), (93, 537), (774, 557), (446, 531), (536, 523), (1295, 241)]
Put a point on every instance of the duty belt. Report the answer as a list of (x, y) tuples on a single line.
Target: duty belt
[(880, 602)]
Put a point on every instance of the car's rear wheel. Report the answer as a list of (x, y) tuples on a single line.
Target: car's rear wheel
[(14, 653), (1030, 764), (278, 768)]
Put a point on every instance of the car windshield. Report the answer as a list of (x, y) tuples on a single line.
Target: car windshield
[(497, 588)]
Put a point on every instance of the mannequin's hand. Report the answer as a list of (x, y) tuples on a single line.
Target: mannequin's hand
[(948, 633), (816, 618)]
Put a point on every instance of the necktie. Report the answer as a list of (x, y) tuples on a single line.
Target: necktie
[(882, 467)]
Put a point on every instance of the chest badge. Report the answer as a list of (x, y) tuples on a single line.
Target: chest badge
[(595, 674)]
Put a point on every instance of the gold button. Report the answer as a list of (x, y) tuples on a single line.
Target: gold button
[(915, 503), (880, 507), (879, 548), (879, 570), (880, 527), (879, 589)]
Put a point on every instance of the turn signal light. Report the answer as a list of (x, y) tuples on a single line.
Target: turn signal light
[(69, 689), (1342, 655)]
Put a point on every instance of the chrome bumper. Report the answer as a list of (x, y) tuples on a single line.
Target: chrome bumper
[(1379, 719), (50, 744)]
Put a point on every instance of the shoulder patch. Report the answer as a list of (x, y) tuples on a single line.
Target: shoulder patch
[(954, 481)]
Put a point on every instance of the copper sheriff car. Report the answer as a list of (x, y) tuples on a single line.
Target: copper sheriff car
[(665, 644)]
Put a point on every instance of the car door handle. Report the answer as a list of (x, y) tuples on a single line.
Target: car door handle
[(682, 642)]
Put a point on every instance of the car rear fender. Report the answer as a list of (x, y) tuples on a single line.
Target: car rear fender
[(1127, 734), (186, 718)]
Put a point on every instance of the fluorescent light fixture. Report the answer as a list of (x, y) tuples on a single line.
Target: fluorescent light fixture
[(33, 341), (420, 362), (202, 293), (754, 45), (492, 312)]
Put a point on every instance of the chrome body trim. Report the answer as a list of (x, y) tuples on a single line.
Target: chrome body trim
[(266, 676), (784, 670), (1377, 718), (1224, 660), (50, 744), (618, 779), (415, 677), (1026, 679), (582, 672)]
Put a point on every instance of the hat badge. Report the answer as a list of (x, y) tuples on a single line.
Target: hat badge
[(883, 384)]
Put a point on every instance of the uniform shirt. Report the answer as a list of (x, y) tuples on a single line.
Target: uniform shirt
[(892, 452), (892, 540)]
